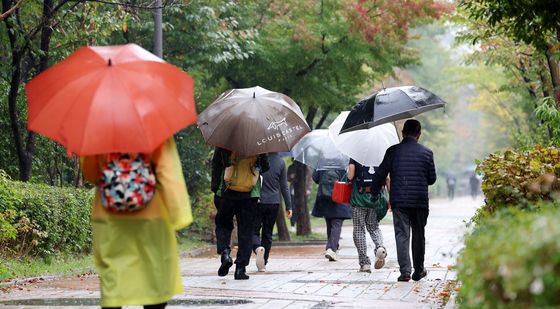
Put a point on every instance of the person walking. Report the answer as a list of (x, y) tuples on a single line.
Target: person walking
[(135, 252), (474, 185), (364, 216), (451, 181), (274, 183), (237, 199), (412, 169), (334, 213)]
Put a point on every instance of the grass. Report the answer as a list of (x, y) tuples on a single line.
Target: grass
[(188, 244), (65, 264), (36, 267), (312, 236)]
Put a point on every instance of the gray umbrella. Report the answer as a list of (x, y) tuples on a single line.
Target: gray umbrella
[(390, 104), (253, 120)]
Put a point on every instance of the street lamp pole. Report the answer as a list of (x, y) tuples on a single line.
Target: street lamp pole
[(158, 31)]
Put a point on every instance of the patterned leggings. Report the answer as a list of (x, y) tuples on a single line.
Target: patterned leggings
[(365, 217)]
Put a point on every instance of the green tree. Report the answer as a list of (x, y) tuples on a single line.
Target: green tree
[(533, 22), (324, 54), (528, 63)]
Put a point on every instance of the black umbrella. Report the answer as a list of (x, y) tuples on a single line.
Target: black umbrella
[(389, 105)]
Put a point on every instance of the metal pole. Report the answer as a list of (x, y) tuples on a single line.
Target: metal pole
[(158, 31)]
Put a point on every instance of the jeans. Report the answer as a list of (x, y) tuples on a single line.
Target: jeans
[(405, 219), (264, 223), (244, 211)]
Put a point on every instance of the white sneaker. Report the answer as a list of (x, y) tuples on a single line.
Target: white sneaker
[(331, 255), (366, 268), (380, 255), (260, 259)]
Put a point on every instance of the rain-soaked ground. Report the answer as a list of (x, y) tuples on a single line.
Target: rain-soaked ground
[(296, 277)]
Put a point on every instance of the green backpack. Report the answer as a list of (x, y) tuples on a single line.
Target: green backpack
[(363, 199)]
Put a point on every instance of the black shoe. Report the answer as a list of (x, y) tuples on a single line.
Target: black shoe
[(240, 273), (227, 262), (419, 275), (404, 278)]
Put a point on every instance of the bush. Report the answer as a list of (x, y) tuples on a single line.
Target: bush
[(39, 220), (519, 179), (512, 260)]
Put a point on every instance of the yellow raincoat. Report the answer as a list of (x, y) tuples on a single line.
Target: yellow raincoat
[(136, 254)]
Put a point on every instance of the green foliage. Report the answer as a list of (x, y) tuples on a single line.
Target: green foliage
[(512, 260), (548, 113), (519, 179), (59, 264), (530, 21), (38, 220)]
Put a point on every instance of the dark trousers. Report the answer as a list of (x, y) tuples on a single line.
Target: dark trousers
[(264, 223), (334, 227), (244, 211), (405, 219), (217, 201)]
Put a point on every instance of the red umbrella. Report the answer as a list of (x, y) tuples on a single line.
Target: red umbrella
[(105, 99)]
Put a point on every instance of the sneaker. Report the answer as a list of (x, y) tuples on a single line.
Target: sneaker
[(260, 259), (331, 255), (366, 268), (419, 275), (380, 255), (404, 278)]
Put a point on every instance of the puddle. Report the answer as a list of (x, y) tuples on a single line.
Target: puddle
[(95, 302)]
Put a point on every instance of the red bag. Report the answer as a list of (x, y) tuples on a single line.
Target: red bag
[(342, 191)]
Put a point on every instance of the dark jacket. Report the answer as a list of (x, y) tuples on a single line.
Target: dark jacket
[(325, 207), (412, 169), (275, 182), (220, 161)]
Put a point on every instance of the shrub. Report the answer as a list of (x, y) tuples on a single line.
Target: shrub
[(519, 179), (39, 220), (512, 260), (204, 213)]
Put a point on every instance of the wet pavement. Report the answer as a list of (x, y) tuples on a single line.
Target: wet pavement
[(296, 277)]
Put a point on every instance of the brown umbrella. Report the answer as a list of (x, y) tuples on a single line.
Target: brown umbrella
[(253, 120)]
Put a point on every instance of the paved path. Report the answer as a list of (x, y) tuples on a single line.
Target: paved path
[(299, 280)]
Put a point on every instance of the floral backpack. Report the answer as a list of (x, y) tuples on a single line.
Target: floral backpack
[(127, 182)]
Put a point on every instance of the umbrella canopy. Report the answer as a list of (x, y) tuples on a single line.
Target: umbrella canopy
[(365, 146), (317, 150), (389, 105), (253, 120), (104, 99)]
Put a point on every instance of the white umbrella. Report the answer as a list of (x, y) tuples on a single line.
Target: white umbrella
[(365, 146), (317, 150)]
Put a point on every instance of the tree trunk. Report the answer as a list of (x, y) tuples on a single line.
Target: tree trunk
[(283, 234), (554, 75), (25, 151), (303, 221), (323, 118)]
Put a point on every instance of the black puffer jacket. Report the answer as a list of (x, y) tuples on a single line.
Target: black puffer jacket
[(412, 170)]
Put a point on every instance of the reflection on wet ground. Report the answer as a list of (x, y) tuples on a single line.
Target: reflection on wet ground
[(95, 301)]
